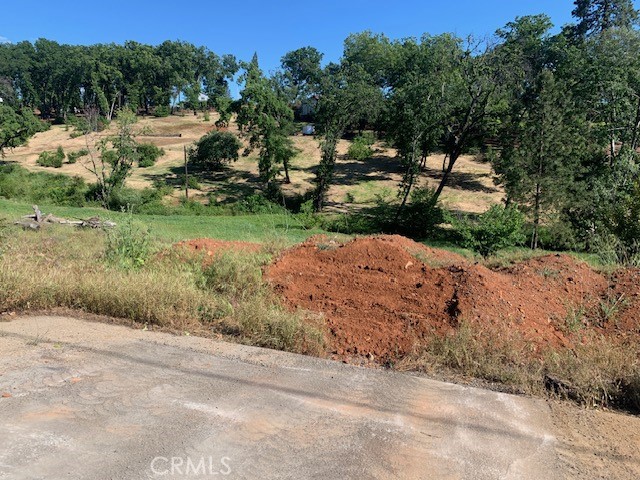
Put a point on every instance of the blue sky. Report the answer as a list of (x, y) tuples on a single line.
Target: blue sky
[(271, 28)]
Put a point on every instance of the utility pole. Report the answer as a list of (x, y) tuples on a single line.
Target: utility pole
[(186, 174)]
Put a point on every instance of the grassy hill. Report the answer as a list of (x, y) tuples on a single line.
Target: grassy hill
[(356, 184)]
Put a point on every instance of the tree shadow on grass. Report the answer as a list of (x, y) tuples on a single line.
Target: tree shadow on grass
[(228, 185), (462, 180), (353, 172)]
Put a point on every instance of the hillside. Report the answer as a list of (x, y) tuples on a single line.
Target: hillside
[(356, 184)]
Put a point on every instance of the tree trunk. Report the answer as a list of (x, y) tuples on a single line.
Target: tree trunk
[(287, 180), (453, 157), (113, 106), (536, 218), (409, 180), (538, 194), (636, 127)]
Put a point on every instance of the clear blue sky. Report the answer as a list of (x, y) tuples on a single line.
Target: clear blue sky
[(271, 28)]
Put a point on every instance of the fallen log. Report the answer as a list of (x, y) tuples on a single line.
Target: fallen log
[(37, 220), (160, 135)]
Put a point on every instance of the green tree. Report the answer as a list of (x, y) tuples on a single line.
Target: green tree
[(542, 150), (302, 71), (215, 149), (266, 121), (472, 104), (115, 157), (419, 77), (347, 96), (16, 127), (596, 16)]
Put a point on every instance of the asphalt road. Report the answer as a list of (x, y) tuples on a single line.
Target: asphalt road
[(85, 400)]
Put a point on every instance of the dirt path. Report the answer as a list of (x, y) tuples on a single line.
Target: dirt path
[(595, 444)]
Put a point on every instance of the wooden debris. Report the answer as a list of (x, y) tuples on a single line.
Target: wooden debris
[(37, 220)]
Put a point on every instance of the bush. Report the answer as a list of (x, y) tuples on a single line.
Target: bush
[(192, 182), (258, 204), (497, 228), (162, 111), (308, 217), (73, 157), (421, 214), (624, 223), (361, 149), (80, 124), (148, 154), (215, 148), (51, 159), (41, 187), (128, 245), (147, 200)]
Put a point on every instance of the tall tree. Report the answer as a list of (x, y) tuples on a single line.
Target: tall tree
[(472, 101), (111, 159), (302, 71), (596, 16), (265, 119), (347, 95), (419, 77), (542, 149), (17, 126)]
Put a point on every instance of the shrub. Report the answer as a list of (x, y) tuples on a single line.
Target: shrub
[(215, 148), (361, 149), (258, 204), (421, 214), (51, 159), (192, 182), (73, 157), (147, 200), (128, 245), (80, 124), (162, 111), (307, 216), (148, 154), (624, 223), (497, 228), (41, 187)]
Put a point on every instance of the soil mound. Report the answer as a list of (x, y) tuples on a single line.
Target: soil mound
[(381, 296), (623, 300), (534, 297)]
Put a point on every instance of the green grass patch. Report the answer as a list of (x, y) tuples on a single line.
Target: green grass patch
[(280, 228), (19, 184)]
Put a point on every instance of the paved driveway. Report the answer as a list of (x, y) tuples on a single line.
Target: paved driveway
[(96, 401)]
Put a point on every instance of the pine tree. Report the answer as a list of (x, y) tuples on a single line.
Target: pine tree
[(595, 16), (540, 157)]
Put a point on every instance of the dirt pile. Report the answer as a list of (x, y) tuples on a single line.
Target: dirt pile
[(381, 296), (622, 300)]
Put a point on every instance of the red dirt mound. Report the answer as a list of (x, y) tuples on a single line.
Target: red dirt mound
[(533, 297), (210, 247), (624, 298), (383, 295)]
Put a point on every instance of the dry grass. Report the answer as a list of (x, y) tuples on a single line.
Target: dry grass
[(471, 188), (68, 268), (597, 372), (61, 267)]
